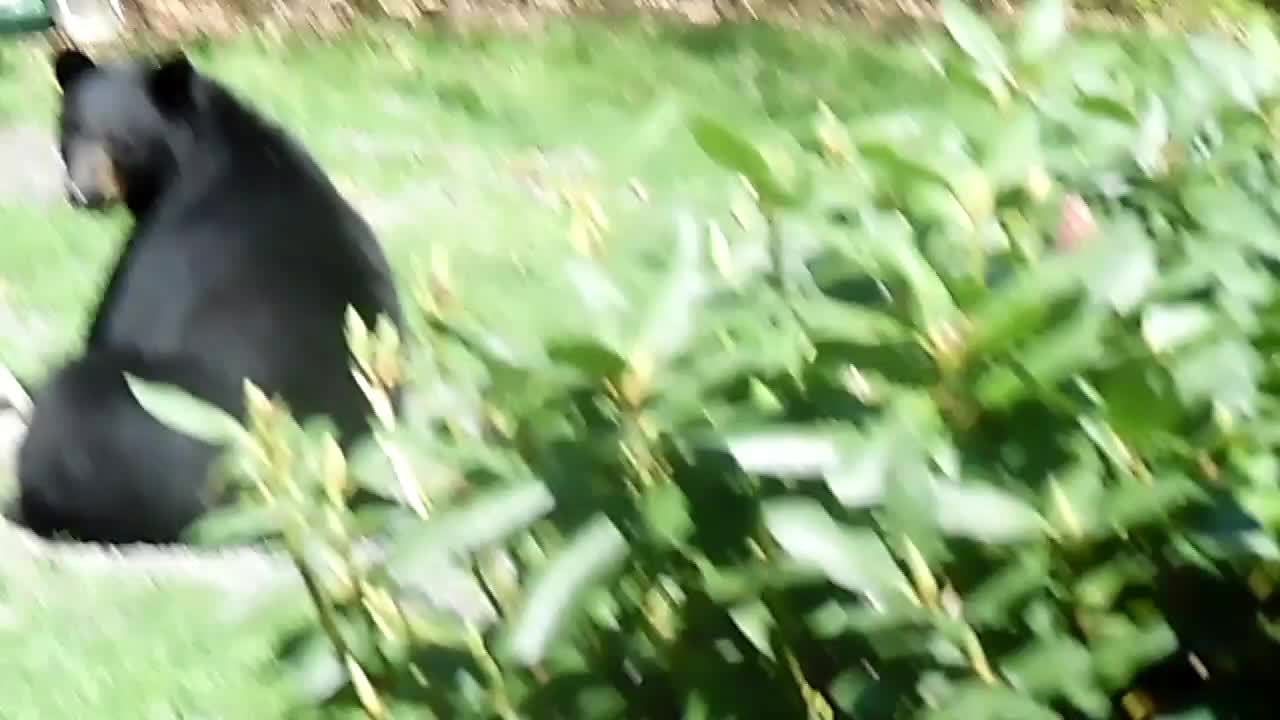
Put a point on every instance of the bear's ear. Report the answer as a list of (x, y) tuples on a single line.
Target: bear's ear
[(171, 83), (69, 65)]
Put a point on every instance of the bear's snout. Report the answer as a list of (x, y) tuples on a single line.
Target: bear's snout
[(91, 179)]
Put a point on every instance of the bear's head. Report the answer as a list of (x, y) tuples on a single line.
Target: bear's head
[(120, 126)]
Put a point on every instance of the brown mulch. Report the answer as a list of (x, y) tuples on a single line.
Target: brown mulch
[(172, 20), (168, 21)]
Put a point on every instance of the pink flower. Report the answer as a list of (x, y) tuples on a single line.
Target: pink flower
[(1075, 224)]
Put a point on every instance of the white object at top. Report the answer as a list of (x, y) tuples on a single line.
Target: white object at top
[(88, 21)]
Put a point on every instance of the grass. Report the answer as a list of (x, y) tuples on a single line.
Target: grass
[(140, 651), (432, 134)]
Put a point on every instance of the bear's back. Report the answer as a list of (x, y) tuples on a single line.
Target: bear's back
[(251, 257)]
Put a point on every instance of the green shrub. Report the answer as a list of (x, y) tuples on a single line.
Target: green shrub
[(971, 418)]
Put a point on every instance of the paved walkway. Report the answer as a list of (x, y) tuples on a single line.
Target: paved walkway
[(30, 170)]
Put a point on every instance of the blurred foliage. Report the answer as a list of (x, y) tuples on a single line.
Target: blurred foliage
[(968, 416)]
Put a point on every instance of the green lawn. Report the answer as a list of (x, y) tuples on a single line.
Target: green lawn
[(106, 647), (433, 134)]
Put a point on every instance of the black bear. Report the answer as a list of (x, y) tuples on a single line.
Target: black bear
[(242, 252), (95, 466)]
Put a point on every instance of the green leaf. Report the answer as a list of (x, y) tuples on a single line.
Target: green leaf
[(1021, 306), (1074, 499), (1105, 439), (238, 524), (1263, 504), (1110, 108), (1265, 49), (593, 359), (1165, 327), (185, 413), (313, 669), (978, 701), (785, 453), (666, 511), (831, 320), (898, 165), (974, 36), (1127, 649), (1231, 66), (1059, 353), (755, 621), (858, 481), (888, 242), (740, 584), (1068, 348), (697, 707), (1127, 270), (910, 507), (1136, 503), (933, 204), (1048, 667), (887, 130), (898, 613), (993, 602), (943, 184), (852, 558), (849, 687), (899, 438), (985, 513), (482, 521), (670, 316), (1224, 372), (1230, 217), (973, 190), (603, 302), (1103, 584), (1153, 136), (1014, 151), (1140, 399), (733, 152), (1044, 25), (591, 556)]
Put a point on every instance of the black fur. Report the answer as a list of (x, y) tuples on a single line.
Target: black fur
[(95, 466), (242, 252)]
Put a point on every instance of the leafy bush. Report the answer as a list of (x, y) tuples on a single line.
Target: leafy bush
[(972, 417)]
